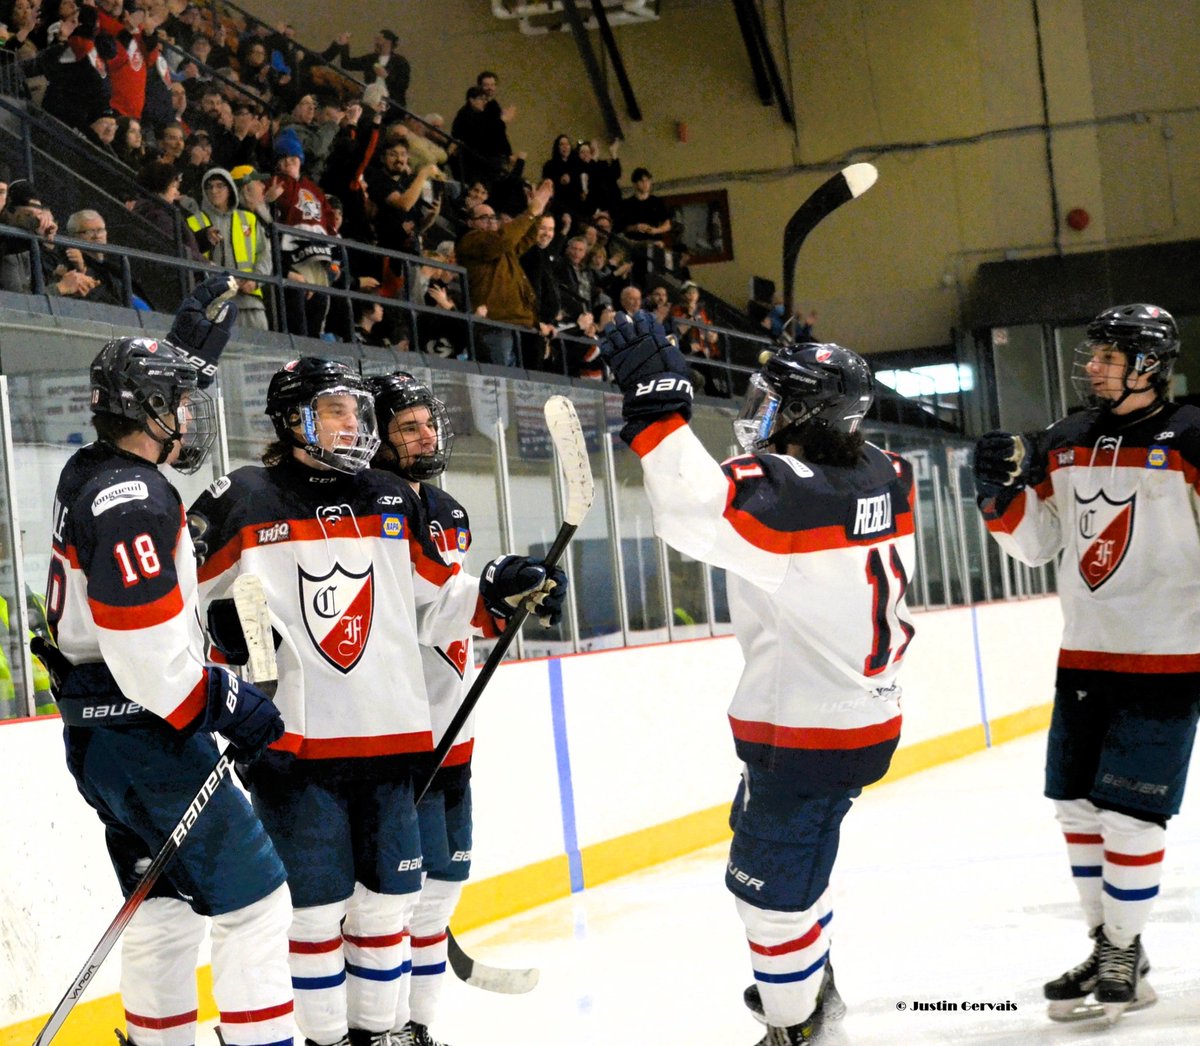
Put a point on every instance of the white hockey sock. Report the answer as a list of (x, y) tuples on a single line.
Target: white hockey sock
[(377, 956), (319, 971), (428, 928), (1133, 861), (252, 984), (788, 951), (1080, 821), (159, 952)]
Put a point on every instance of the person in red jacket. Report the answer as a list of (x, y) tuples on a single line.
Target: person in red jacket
[(136, 53)]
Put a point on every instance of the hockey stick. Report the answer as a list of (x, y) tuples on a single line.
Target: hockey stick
[(250, 590), (567, 436), (848, 183)]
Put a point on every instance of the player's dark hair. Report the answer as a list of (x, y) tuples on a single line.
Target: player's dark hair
[(276, 453), (824, 446), (113, 427)]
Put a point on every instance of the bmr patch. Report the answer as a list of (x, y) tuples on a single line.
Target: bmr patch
[(1105, 531), (394, 527)]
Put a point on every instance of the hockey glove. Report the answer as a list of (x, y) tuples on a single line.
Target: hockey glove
[(648, 366), (242, 713), (511, 582), (204, 324), (1001, 461)]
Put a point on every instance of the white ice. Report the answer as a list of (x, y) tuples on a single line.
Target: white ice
[(952, 886)]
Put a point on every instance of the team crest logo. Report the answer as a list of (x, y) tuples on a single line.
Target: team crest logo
[(455, 655), (338, 608), (1105, 527)]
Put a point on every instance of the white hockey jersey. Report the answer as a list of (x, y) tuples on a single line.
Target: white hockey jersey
[(353, 585), (1120, 500), (818, 559), (449, 668)]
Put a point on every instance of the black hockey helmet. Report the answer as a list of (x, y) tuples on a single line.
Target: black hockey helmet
[(1149, 339), (398, 392), (293, 402), (156, 384), (818, 384)]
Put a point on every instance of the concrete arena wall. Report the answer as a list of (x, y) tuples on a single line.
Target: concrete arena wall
[(588, 767)]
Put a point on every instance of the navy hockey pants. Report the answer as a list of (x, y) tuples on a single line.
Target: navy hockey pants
[(334, 833), (1121, 751), (140, 780), (784, 841), (445, 819)]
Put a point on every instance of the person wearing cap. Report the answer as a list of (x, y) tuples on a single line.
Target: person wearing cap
[(102, 132), (255, 192), (24, 210), (381, 65), (302, 204), (233, 238)]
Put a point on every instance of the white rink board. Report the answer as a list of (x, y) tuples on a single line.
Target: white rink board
[(647, 742)]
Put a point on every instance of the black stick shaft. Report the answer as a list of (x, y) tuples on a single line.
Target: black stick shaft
[(511, 628), (133, 902)]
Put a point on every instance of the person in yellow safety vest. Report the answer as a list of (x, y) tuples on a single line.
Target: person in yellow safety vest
[(43, 701), (39, 625), (233, 237)]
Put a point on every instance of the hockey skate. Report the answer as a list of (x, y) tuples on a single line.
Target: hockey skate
[(419, 1036), (1068, 994), (829, 1001)]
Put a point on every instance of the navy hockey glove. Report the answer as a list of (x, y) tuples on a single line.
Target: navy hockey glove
[(511, 582), (1001, 462), (648, 366), (204, 324), (242, 713)]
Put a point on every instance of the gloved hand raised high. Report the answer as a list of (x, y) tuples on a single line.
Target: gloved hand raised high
[(242, 713), (511, 582), (648, 366), (204, 322)]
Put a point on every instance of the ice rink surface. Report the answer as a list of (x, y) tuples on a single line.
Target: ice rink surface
[(951, 888)]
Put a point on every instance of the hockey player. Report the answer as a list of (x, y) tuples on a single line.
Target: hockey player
[(353, 583), (139, 706), (814, 527), (1112, 489), (416, 442)]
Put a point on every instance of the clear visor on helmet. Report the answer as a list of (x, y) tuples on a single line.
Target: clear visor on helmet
[(758, 417), (337, 427)]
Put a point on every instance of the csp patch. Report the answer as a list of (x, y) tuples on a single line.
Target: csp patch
[(394, 527), (1157, 458)]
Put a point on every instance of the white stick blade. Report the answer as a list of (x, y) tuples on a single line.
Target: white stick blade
[(567, 434), (250, 598), (860, 177)]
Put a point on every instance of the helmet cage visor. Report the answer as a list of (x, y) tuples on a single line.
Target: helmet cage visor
[(337, 428), (416, 464), (1095, 388), (192, 424)]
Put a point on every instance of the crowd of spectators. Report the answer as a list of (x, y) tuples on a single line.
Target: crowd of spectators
[(230, 129)]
